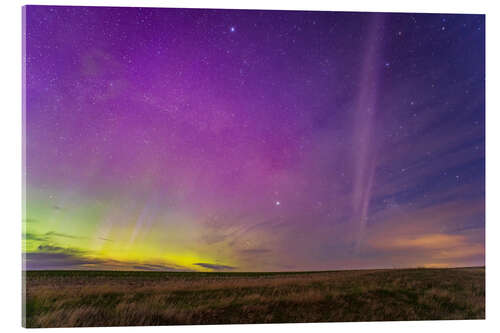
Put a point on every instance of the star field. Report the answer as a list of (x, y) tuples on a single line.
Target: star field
[(190, 139)]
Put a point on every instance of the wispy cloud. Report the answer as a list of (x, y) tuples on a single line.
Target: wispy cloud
[(52, 235), (59, 249), (58, 234), (153, 267), (215, 267), (34, 237)]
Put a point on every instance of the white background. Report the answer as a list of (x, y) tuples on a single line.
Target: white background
[(10, 158)]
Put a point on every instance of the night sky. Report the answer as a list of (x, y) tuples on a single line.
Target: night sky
[(247, 140)]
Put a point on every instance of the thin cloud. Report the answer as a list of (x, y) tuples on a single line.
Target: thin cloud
[(58, 234), (45, 248), (34, 237), (155, 268), (215, 267)]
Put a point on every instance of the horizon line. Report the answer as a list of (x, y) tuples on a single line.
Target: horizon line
[(249, 272)]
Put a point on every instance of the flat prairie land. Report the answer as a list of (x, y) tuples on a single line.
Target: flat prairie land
[(105, 298)]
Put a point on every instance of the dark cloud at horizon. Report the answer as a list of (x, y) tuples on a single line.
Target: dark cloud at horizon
[(56, 258)]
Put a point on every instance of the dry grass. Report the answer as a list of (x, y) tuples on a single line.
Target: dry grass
[(65, 299)]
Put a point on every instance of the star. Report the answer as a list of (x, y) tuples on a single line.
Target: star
[(278, 203), (232, 29)]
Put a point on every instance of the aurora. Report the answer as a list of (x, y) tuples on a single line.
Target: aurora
[(252, 140)]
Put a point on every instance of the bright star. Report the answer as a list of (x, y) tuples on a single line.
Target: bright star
[(232, 29), (278, 203)]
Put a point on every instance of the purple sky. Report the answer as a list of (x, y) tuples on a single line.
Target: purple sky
[(252, 140)]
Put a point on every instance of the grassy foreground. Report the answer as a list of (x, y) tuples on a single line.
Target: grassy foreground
[(81, 298)]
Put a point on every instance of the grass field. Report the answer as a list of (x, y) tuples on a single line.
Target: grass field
[(83, 298)]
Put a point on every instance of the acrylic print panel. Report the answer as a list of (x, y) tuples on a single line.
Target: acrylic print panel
[(193, 166)]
